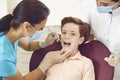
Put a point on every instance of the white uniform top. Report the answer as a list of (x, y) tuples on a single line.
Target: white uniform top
[(106, 28)]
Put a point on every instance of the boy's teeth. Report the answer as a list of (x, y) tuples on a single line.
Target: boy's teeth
[(67, 43)]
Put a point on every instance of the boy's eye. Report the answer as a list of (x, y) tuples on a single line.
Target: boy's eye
[(73, 34), (64, 33)]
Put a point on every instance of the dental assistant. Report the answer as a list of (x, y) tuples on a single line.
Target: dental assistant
[(18, 29), (105, 25)]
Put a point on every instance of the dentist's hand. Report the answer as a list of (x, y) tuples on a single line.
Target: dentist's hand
[(52, 58), (48, 41), (113, 59)]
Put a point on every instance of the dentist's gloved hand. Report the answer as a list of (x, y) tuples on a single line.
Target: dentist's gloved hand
[(113, 59), (48, 41), (52, 58)]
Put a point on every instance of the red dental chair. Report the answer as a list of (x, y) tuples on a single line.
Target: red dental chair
[(94, 50)]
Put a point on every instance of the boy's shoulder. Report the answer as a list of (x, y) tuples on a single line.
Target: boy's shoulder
[(86, 60)]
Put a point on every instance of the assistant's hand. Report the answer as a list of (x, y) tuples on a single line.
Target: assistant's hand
[(52, 58), (48, 41), (113, 59)]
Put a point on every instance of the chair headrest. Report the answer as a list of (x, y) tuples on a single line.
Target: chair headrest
[(87, 31)]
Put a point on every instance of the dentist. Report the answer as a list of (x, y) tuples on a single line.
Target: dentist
[(18, 29)]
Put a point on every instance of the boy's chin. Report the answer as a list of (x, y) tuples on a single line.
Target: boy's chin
[(66, 49)]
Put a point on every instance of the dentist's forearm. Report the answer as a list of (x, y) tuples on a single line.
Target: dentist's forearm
[(33, 45), (36, 74)]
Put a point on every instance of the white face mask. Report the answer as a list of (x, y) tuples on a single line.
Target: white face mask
[(35, 36)]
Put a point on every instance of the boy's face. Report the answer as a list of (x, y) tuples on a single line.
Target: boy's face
[(71, 37)]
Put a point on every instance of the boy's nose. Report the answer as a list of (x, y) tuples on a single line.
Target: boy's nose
[(67, 36)]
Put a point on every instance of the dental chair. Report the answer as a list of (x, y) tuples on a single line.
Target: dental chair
[(94, 50)]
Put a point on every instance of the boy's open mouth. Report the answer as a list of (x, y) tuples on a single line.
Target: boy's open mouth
[(67, 43)]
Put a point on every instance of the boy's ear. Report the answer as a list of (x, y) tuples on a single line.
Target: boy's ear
[(81, 40)]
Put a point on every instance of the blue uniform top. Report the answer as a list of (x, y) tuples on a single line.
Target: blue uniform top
[(8, 56)]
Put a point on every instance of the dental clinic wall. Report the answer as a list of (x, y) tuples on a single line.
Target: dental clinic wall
[(59, 9), (62, 8), (3, 8), (6, 6)]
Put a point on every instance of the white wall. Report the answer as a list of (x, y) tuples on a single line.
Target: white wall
[(58, 8), (62, 8), (12, 4), (7, 6), (3, 8)]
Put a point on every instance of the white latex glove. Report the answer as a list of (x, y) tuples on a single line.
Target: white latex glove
[(113, 59), (52, 58), (48, 41)]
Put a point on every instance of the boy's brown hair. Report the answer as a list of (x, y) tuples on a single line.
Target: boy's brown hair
[(75, 21)]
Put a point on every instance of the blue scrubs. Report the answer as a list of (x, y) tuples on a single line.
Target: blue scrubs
[(8, 56)]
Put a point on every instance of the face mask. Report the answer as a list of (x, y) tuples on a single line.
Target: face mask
[(105, 9), (35, 36)]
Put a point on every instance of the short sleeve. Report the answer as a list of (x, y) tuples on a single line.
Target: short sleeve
[(8, 57), (7, 68)]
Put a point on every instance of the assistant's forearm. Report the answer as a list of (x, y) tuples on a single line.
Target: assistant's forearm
[(91, 37)]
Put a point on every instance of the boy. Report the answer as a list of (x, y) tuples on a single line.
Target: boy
[(76, 67)]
